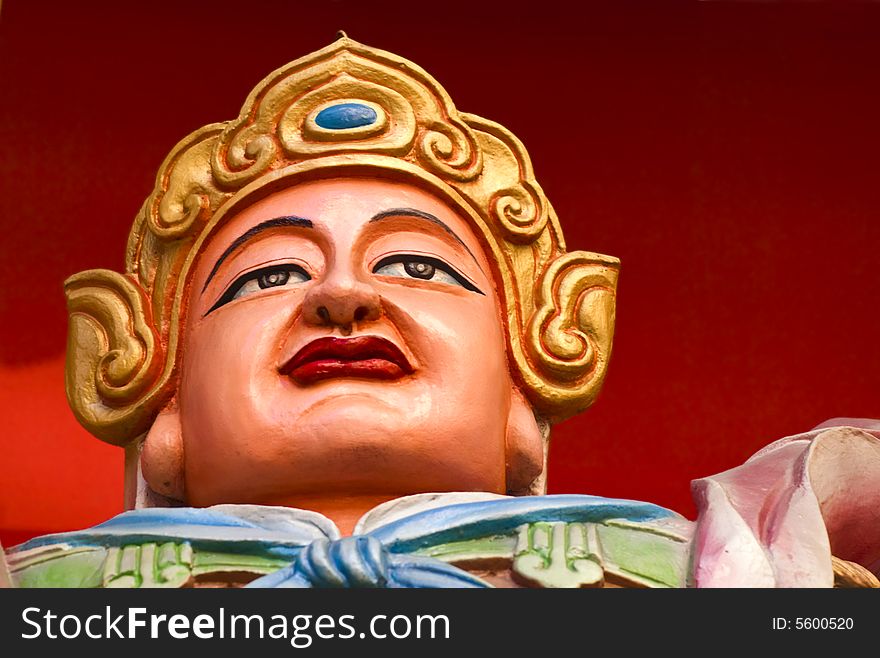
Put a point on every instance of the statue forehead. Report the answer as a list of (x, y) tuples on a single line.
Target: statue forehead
[(334, 204)]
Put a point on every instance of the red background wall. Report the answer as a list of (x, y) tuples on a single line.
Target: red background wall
[(727, 153)]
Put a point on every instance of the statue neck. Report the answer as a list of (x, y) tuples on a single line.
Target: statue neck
[(344, 511)]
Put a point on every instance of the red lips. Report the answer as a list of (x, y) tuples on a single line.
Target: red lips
[(369, 357)]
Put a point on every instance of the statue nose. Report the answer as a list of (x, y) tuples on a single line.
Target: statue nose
[(342, 303)]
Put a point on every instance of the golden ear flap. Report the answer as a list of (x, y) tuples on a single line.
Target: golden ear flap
[(568, 339), (114, 357)]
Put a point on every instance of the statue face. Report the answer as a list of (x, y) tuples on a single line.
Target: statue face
[(344, 336)]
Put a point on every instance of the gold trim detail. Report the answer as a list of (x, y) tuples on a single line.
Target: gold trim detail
[(852, 575)]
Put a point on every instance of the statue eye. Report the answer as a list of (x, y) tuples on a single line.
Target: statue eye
[(419, 270), (273, 276), (425, 268)]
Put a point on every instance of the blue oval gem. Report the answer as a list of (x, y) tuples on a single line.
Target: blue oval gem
[(346, 115)]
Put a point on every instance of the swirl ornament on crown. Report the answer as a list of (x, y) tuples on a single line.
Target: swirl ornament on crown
[(345, 110)]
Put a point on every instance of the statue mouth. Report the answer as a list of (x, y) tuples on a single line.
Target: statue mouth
[(368, 357)]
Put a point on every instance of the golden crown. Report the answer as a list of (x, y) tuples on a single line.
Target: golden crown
[(344, 110)]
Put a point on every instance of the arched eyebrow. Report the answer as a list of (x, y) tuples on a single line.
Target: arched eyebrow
[(421, 214), (278, 222)]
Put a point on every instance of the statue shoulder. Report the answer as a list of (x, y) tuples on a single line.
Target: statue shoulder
[(554, 541), (225, 545), (437, 540)]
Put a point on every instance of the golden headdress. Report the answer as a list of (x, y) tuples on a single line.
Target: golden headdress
[(344, 110)]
